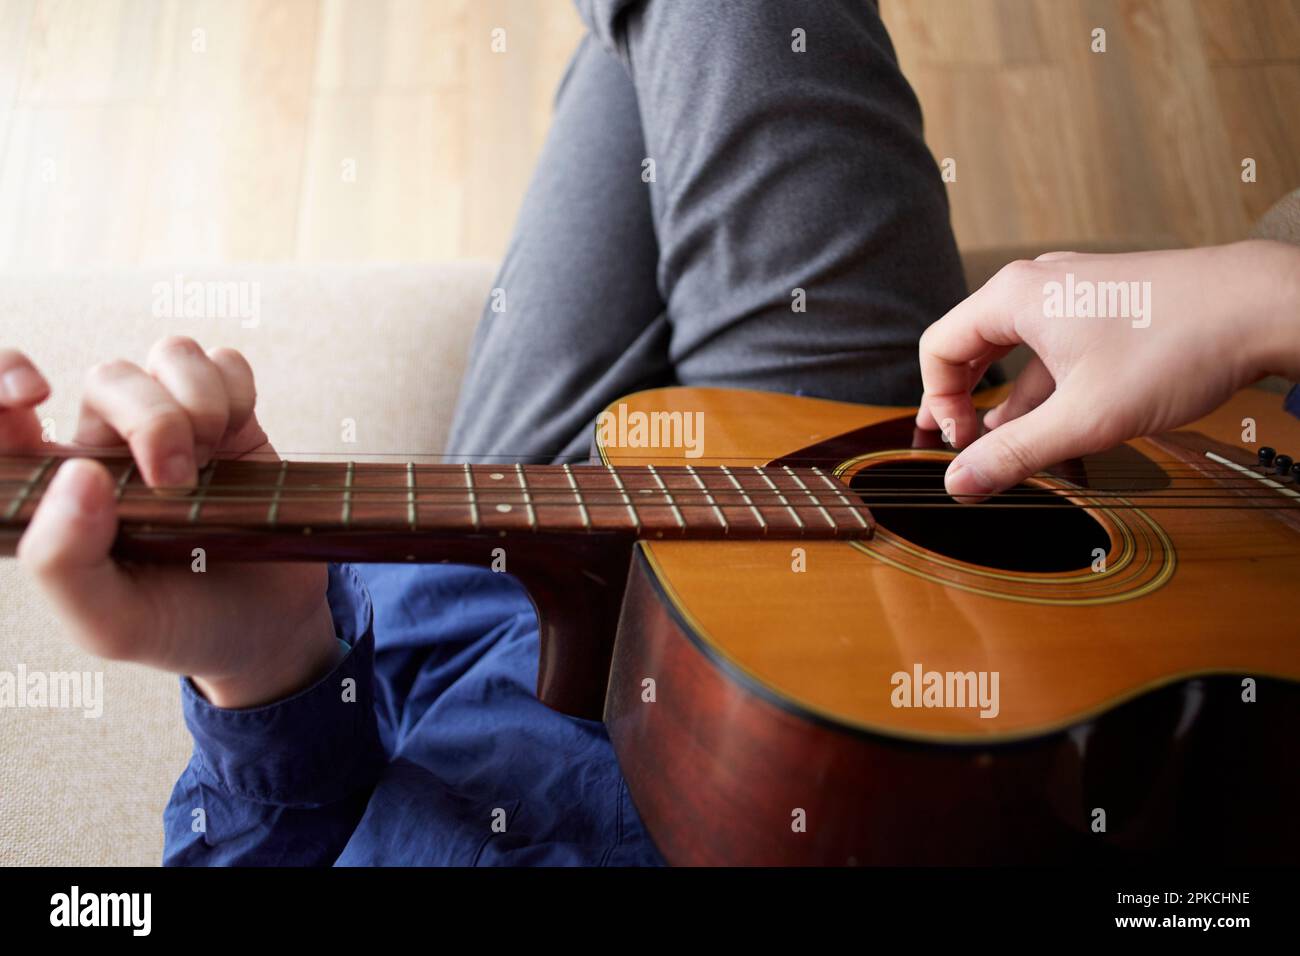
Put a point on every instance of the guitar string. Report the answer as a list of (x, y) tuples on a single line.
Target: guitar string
[(873, 501), (1215, 473), (549, 496), (897, 465), (452, 461), (565, 496), (612, 496), (1208, 471), (1215, 489)]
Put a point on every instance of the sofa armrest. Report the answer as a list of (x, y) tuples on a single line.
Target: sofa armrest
[(1282, 220)]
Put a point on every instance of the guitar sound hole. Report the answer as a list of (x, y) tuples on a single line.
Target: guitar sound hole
[(1054, 535)]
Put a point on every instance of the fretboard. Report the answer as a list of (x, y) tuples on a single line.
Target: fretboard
[(646, 501)]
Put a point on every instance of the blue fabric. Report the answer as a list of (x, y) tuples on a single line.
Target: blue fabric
[(425, 735)]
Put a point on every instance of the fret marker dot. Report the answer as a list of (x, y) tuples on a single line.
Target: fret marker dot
[(496, 476), (503, 508)]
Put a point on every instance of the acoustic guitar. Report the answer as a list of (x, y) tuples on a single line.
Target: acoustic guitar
[(805, 652)]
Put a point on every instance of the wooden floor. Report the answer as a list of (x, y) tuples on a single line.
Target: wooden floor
[(154, 131)]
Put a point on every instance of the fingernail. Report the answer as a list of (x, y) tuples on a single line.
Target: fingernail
[(964, 481), (23, 384), (178, 471)]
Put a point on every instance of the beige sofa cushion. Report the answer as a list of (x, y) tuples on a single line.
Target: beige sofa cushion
[(383, 346)]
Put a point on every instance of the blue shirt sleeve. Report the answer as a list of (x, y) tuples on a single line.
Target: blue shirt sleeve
[(286, 783)]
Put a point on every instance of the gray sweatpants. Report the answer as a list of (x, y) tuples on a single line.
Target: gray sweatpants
[(702, 180)]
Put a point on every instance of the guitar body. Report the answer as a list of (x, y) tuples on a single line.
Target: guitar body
[(779, 702)]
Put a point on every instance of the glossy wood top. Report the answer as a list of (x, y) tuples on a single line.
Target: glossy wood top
[(830, 639)]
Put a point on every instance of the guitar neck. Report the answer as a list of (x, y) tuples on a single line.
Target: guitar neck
[(279, 510)]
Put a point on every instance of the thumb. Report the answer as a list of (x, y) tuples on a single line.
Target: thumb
[(66, 549), (1015, 450)]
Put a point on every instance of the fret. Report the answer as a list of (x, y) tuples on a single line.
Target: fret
[(709, 498), (582, 505), (473, 499), (443, 498), (681, 522), (744, 495), (412, 518), (528, 499), (25, 492), (346, 516), (205, 479), (631, 508), (125, 477), (811, 497), (273, 512), (606, 505), (857, 513), (780, 497)]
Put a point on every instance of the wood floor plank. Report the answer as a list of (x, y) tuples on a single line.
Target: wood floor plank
[(382, 178), (1250, 31), (219, 129), (1259, 103)]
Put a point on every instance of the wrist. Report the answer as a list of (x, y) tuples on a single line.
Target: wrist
[(305, 655), (1275, 344)]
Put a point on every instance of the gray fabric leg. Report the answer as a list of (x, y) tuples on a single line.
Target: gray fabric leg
[(774, 171), (583, 322)]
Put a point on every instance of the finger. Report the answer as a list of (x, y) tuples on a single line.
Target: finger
[(197, 385), (1031, 388), (122, 403), (243, 433), (1015, 450), (22, 388), (21, 383), (982, 323), (975, 374), (980, 366), (66, 548)]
